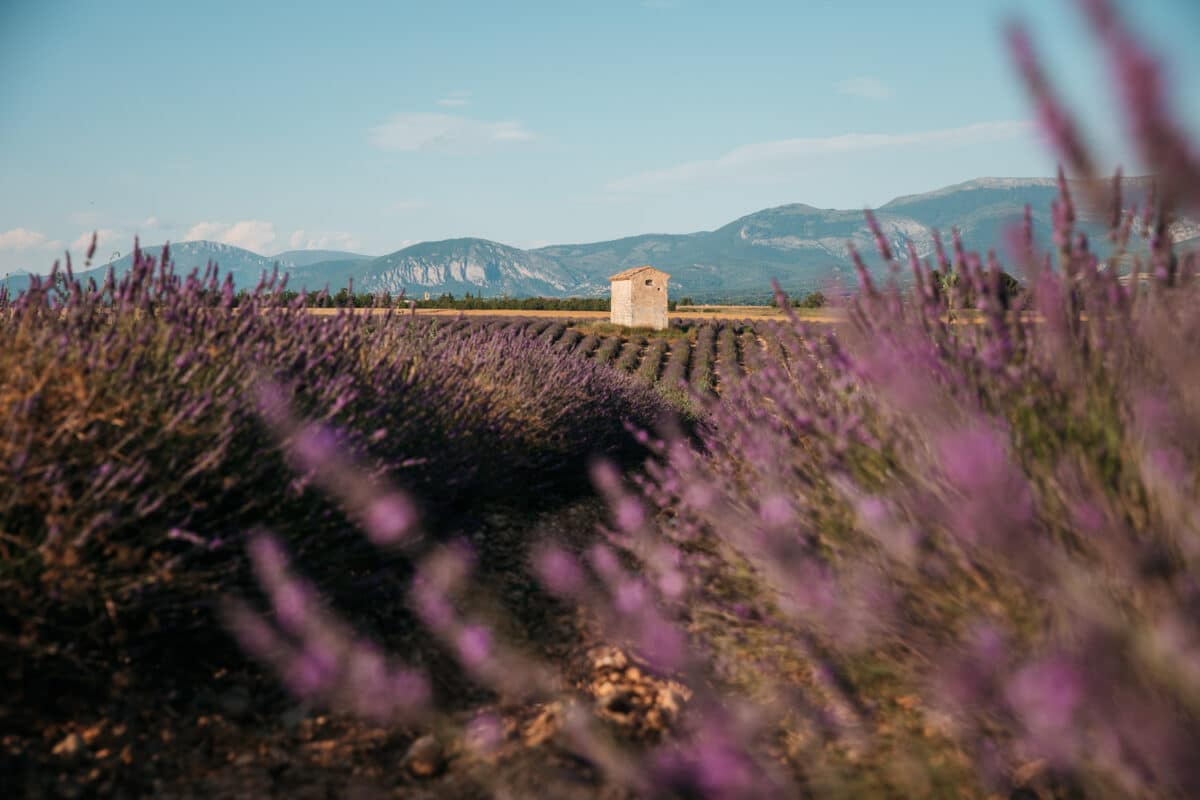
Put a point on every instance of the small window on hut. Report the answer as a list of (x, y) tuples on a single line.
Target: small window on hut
[(649, 281)]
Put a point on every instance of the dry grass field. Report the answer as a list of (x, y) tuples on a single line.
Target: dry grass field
[(687, 313)]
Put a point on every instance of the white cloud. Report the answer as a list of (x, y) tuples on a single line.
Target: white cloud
[(151, 223), (332, 240), (250, 234), (103, 236), (769, 161), (455, 99), (865, 86), (413, 131), (409, 204), (21, 239)]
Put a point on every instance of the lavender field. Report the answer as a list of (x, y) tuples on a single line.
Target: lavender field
[(946, 547)]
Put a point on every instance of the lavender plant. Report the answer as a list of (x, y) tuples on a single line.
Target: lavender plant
[(675, 372), (587, 346), (651, 360), (970, 523), (553, 332), (132, 456), (702, 359), (631, 353), (569, 340), (748, 346), (772, 351), (945, 549), (539, 326), (728, 369), (607, 349)]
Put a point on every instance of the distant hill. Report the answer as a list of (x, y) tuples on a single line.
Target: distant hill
[(16, 280), (803, 246), (318, 266), (328, 274), (246, 267), (306, 258), (474, 265)]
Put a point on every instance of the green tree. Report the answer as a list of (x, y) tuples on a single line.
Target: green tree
[(813, 300)]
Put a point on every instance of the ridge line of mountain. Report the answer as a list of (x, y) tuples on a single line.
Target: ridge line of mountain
[(803, 246)]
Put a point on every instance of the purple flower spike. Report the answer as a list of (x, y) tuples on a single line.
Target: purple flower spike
[(314, 447), (1139, 79), (604, 561), (293, 605), (630, 515), (272, 402), (312, 672), (606, 476), (474, 646), (864, 275), (253, 633), (558, 571), (881, 242), (1046, 696), (432, 604), (389, 520), (630, 597), (267, 554), (777, 511)]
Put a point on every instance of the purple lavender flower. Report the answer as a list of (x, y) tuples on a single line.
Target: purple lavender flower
[(558, 571), (474, 646)]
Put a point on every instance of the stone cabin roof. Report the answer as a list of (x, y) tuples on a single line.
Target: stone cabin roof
[(630, 273)]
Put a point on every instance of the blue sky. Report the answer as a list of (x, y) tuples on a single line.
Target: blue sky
[(368, 126)]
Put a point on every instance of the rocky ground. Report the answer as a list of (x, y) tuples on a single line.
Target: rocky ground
[(238, 735)]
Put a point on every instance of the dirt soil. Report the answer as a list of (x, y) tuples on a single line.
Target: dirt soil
[(238, 735)]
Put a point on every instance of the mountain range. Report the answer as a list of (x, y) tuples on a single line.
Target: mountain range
[(804, 247)]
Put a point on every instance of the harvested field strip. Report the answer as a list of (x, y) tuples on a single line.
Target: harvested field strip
[(631, 352), (675, 371), (748, 348), (773, 350), (701, 376), (708, 356), (589, 344), (728, 369), (651, 360), (607, 349), (569, 339)]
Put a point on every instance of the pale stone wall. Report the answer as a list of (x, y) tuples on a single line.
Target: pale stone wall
[(622, 303), (650, 300), (640, 301)]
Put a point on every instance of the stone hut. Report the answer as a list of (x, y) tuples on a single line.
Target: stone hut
[(639, 298)]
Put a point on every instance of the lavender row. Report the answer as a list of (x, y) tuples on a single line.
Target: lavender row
[(132, 443), (951, 547)]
